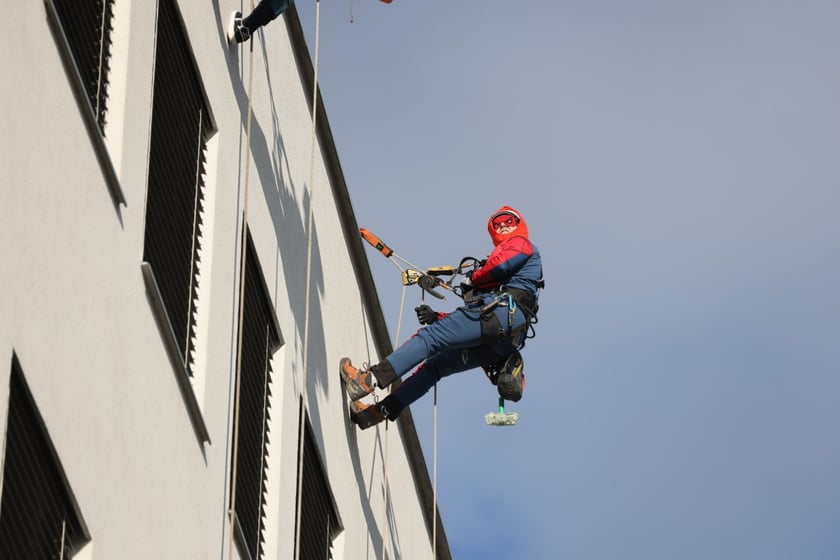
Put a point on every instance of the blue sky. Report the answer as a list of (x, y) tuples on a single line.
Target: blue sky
[(678, 165)]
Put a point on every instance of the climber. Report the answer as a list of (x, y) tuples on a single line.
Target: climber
[(500, 302)]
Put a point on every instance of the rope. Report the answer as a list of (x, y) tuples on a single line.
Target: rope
[(303, 396), (434, 447), (242, 251), (385, 437), (400, 318), (385, 493), (434, 480), (434, 452)]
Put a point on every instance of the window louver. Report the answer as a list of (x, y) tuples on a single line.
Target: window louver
[(177, 159), (87, 26), (260, 340), (37, 514), (318, 519)]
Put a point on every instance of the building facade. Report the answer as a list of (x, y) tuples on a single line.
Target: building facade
[(181, 263)]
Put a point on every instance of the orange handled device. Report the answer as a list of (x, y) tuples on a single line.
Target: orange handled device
[(376, 242)]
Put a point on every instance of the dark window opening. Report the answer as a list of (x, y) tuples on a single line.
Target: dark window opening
[(87, 28), (181, 126), (260, 340), (38, 514), (319, 523)]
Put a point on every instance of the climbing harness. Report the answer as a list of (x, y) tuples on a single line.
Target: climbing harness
[(492, 329)]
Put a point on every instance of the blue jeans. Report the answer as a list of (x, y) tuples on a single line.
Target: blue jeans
[(449, 345), (265, 11), (280, 6)]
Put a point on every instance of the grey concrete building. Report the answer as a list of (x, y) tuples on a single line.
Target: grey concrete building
[(181, 273)]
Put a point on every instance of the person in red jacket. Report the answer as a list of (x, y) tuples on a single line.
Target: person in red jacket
[(501, 301)]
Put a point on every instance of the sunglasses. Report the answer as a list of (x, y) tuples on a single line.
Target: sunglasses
[(505, 220)]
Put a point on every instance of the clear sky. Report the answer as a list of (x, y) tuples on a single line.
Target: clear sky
[(677, 163)]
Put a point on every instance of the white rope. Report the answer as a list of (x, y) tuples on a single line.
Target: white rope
[(434, 447), (434, 480), (385, 445), (309, 226), (400, 318), (385, 539), (242, 251)]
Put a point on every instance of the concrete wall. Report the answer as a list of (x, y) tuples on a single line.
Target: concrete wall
[(76, 313)]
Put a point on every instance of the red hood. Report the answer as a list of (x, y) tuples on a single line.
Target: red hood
[(497, 238)]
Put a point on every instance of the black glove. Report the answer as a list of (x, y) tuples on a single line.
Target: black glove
[(468, 293), (425, 314)]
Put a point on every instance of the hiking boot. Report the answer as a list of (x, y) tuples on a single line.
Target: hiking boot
[(358, 382), (366, 415), (237, 32)]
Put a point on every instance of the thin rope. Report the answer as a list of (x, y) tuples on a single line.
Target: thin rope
[(242, 247), (63, 537), (400, 318), (434, 448), (309, 221), (434, 480), (385, 487)]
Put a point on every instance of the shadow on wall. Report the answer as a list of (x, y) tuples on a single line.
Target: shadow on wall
[(288, 215)]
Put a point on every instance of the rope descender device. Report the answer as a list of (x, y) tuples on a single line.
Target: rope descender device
[(412, 274)]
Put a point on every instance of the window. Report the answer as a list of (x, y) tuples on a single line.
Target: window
[(319, 523), (260, 340), (38, 514), (87, 29), (181, 126), (83, 33)]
